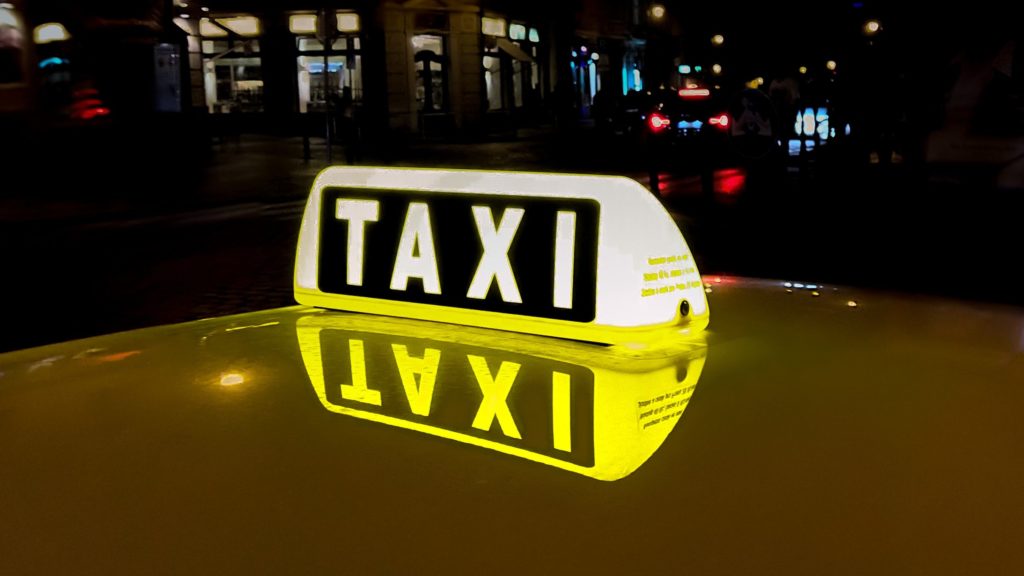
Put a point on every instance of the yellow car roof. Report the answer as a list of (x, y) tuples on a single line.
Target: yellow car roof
[(810, 429)]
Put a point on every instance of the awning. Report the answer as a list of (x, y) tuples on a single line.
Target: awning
[(513, 50)]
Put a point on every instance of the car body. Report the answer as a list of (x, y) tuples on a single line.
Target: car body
[(831, 429)]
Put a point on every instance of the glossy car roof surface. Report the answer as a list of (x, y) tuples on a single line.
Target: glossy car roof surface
[(843, 432)]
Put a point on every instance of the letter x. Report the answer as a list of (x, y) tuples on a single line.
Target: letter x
[(495, 391), (494, 264)]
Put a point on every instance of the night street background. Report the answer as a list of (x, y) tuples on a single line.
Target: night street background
[(155, 155), (84, 264)]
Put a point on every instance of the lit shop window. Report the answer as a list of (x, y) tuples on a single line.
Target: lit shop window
[(232, 68)]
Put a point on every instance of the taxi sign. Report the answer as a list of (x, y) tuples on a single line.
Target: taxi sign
[(592, 410), (590, 258)]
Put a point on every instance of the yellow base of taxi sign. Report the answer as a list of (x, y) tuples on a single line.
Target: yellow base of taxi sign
[(591, 258)]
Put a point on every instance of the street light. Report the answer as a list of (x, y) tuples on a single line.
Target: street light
[(718, 39), (657, 11), (803, 69), (50, 32), (872, 27), (831, 65), (716, 69)]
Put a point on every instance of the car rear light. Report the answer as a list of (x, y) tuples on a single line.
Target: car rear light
[(694, 93), (658, 122), (94, 113), (721, 121)]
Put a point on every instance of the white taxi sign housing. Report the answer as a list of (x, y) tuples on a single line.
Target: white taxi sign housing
[(592, 258)]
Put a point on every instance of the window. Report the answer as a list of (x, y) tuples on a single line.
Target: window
[(492, 82), (232, 68), (492, 26), (343, 74), (431, 72)]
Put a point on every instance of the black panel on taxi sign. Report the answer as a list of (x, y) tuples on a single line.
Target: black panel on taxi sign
[(458, 251)]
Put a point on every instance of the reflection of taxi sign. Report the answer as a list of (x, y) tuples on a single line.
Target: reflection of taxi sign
[(585, 257), (597, 411)]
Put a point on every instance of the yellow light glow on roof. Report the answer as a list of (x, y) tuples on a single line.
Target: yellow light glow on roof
[(551, 254), (348, 22), (592, 410), (231, 379), (492, 26), (242, 25), (302, 23), (50, 32)]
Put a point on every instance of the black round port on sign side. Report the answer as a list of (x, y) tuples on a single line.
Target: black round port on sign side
[(684, 308)]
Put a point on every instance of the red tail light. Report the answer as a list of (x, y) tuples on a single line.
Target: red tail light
[(694, 93), (721, 121), (94, 113), (658, 122)]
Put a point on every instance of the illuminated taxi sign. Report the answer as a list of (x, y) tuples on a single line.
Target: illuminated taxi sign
[(585, 257), (587, 409)]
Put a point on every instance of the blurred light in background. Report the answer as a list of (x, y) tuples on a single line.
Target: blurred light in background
[(729, 182), (718, 39), (302, 23), (248, 26), (50, 32), (492, 26), (694, 93), (809, 123), (52, 62), (658, 122)]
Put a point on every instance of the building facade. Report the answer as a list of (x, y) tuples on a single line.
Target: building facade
[(425, 68)]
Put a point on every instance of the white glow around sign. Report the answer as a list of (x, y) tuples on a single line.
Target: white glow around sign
[(585, 257)]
